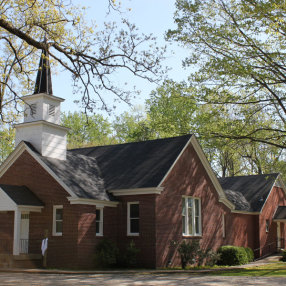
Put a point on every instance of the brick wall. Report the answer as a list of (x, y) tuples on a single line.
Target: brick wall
[(6, 232), (189, 178), (268, 239), (146, 239), (63, 251)]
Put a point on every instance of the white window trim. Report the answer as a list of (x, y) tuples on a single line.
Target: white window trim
[(267, 225), (100, 223), (55, 208), (187, 234), (129, 220)]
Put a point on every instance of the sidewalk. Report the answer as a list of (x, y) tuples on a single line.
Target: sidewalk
[(264, 261)]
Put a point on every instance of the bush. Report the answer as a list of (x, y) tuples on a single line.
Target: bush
[(106, 253), (249, 253), (188, 252), (212, 257), (232, 255), (283, 258), (130, 255)]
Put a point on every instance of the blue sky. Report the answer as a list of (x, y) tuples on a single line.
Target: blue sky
[(150, 16)]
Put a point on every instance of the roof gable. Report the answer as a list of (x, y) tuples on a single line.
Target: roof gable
[(21, 195), (248, 193)]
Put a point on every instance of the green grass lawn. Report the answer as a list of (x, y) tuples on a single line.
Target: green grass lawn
[(271, 269)]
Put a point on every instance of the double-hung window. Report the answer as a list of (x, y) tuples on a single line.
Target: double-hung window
[(191, 216), (99, 222), (58, 220), (133, 218)]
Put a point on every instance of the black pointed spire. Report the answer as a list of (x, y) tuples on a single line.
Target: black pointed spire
[(44, 79)]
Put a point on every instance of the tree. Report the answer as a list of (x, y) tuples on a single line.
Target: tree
[(91, 56), (238, 48), (173, 110), (7, 136), (133, 126), (94, 131)]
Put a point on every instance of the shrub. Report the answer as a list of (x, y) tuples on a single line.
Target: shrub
[(188, 252), (212, 257), (283, 258), (106, 253), (232, 255), (250, 254), (130, 255)]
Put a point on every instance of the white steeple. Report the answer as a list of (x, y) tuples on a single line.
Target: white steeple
[(41, 125)]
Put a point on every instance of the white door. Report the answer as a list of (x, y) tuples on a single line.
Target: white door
[(24, 232)]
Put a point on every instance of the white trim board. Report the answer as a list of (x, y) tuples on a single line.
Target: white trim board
[(92, 202), (138, 191)]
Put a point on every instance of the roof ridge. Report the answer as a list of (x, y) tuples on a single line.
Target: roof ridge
[(136, 142), (253, 175)]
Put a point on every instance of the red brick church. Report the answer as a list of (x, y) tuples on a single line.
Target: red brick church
[(150, 192)]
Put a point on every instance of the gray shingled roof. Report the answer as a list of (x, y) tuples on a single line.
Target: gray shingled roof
[(280, 213), (248, 193), (21, 195), (135, 165), (90, 172)]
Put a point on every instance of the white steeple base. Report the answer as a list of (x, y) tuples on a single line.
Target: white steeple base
[(47, 138)]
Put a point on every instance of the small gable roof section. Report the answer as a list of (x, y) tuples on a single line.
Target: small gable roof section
[(248, 193), (280, 214), (18, 196), (135, 165)]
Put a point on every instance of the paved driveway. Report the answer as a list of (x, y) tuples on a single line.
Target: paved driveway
[(20, 279)]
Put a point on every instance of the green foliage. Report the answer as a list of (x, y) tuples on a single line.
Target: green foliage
[(212, 257), (7, 136), (232, 255), (188, 252), (106, 254), (237, 52), (130, 255), (133, 127), (86, 131), (283, 258), (250, 254)]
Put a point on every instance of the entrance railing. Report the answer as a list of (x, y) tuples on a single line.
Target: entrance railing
[(269, 248), (31, 246)]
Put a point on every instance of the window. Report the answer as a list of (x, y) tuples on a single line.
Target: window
[(133, 218), (51, 110), (99, 222), (267, 225), (191, 216), (58, 220), (33, 109), (223, 225)]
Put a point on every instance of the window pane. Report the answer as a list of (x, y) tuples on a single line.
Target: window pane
[(190, 202), (134, 211), (59, 214), (183, 224), (197, 225), (197, 208), (183, 206), (97, 224), (134, 226), (98, 215), (59, 226)]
